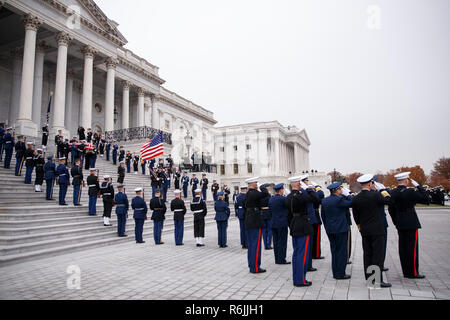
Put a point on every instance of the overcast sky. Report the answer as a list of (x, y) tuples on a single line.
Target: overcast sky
[(373, 94)]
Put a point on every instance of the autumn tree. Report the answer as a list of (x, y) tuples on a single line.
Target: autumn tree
[(337, 176), (355, 186), (417, 174), (440, 175)]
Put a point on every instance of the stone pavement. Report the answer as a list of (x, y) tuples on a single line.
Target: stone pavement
[(131, 271)]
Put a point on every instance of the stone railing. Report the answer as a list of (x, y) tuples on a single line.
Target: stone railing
[(137, 133)]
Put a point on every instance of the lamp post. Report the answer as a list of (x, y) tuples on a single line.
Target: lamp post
[(188, 140)]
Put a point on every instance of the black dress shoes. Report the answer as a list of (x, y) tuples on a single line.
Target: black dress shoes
[(306, 284), (140, 241), (159, 243), (261, 270), (319, 258), (419, 276), (123, 236), (285, 262), (244, 247), (345, 277), (312, 269), (269, 248), (349, 262), (385, 285), (385, 269)]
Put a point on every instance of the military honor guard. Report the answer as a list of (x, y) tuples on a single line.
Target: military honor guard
[(108, 149), (199, 209), (277, 206), (204, 185), (121, 172), (93, 191), (135, 163), (215, 189), (154, 181), (194, 183), (140, 215), (121, 154), (316, 250), (378, 188), (253, 225), (128, 158), (20, 148), (44, 141), (107, 192), (29, 162), (222, 215), (143, 162), (334, 219), (366, 212), (239, 212), (77, 182), (178, 207), (2, 137), (63, 180), (121, 202), (403, 213), (8, 141), (177, 178), (39, 163), (185, 183), (114, 152), (158, 206), (267, 217), (165, 183), (314, 201), (49, 176)]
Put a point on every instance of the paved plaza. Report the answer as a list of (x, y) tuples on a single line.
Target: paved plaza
[(131, 271)]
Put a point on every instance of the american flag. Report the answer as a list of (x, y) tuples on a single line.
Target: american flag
[(153, 148)]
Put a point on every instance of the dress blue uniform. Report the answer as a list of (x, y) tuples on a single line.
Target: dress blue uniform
[(122, 205), (29, 164), (316, 251), (77, 182), (140, 215), (267, 218), (194, 183), (313, 220), (239, 210), (114, 153), (158, 206), (222, 214), (185, 182), (8, 142), (20, 152), (277, 206), (49, 176), (2, 137), (336, 226), (108, 150), (62, 175), (179, 210), (93, 191)]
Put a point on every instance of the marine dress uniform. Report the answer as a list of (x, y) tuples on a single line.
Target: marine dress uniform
[(185, 183), (77, 183), (20, 153), (29, 162), (277, 205), (93, 191), (114, 153), (107, 192), (49, 176), (194, 183), (199, 209), (39, 163), (222, 215), (8, 142), (179, 210), (63, 177), (158, 206), (316, 251), (239, 211), (140, 215), (122, 205), (267, 217), (314, 201), (120, 173)]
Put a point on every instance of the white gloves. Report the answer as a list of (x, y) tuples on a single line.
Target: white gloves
[(345, 191), (303, 185), (379, 186), (414, 182)]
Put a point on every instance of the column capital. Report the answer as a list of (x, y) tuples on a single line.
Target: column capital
[(42, 46), (126, 84), (141, 92), (88, 51), (63, 39), (111, 63), (155, 97), (31, 22)]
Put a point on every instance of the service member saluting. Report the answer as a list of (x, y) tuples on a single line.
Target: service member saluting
[(239, 211), (140, 214), (179, 210), (277, 205), (198, 208)]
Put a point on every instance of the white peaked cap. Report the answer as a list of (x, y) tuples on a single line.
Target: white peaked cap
[(198, 190), (365, 178), (402, 176), (177, 191), (304, 176), (138, 190), (92, 169), (252, 180), (244, 187), (295, 179), (106, 177)]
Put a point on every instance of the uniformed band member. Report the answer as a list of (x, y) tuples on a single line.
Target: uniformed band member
[(63, 180), (29, 162), (179, 210), (158, 206), (39, 162), (107, 192), (49, 176), (300, 230), (121, 154), (253, 225), (77, 182), (121, 202), (93, 191), (336, 226), (121, 172), (239, 212), (316, 251), (140, 215), (277, 206), (8, 141), (194, 183), (44, 137), (185, 183), (403, 213), (199, 209), (20, 152), (204, 185), (114, 153), (222, 214), (108, 149), (267, 217), (366, 212)]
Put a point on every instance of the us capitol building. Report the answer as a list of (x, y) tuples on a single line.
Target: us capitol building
[(70, 52)]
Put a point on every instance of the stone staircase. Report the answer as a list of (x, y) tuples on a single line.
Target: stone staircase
[(33, 228)]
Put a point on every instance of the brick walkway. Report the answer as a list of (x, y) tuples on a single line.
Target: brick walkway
[(130, 271)]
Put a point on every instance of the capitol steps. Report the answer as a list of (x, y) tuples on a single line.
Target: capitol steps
[(33, 228)]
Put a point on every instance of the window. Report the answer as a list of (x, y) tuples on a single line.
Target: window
[(235, 148), (222, 149), (249, 146), (167, 124), (249, 167), (236, 168), (222, 169)]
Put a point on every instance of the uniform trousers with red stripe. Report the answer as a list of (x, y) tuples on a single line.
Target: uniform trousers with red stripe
[(316, 252), (373, 248), (408, 248), (300, 258), (254, 242)]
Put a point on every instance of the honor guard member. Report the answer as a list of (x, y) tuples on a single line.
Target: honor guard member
[(158, 206), (239, 212), (108, 149), (253, 224), (267, 217), (143, 166), (49, 176), (107, 192), (154, 181), (215, 188), (366, 212), (121, 202), (29, 162), (378, 188), (179, 210), (135, 163), (349, 233), (334, 219), (316, 251), (128, 158), (39, 162), (93, 191), (58, 138), (403, 213), (63, 180), (2, 136), (140, 215), (204, 185), (300, 230), (199, 209), (121, 172), (121, 154), (166, 183), (222, 215), (44, 137), (8, 141), (20, 153), (177, 177), (194, 183), (114, 153), (77, 181), (185, 183), (277, 206)]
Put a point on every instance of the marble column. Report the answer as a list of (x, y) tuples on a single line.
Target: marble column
[(109, 99), (17, 55), (276, 153), (126, 104), (69, 94), (155, 112), (297, 158), (38, 81), (88, 77), (140, 107), (63, 40), (24, 124)]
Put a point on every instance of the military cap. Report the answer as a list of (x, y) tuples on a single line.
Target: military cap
[(157, 191), (264, 186), (62, 158), (252, 180), (121, 186), (365, 178), (92, 169), (203, 174), (295, 179), (244, 187), (278, 186), (304, 177), (29, 143), (198, 190), (10, 128), (106, 177), (402, 176), (50, 158), (220, 194), (139, 190), (334, 186), (177, 191)]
